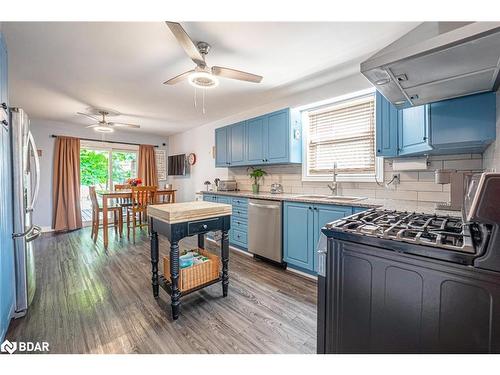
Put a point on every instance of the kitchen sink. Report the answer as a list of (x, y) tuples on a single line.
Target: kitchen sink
[(343, 198)]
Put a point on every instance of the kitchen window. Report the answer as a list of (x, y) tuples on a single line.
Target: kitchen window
[(341, 131)]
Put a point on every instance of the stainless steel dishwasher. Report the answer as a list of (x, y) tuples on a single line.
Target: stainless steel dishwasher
[(264, 229)]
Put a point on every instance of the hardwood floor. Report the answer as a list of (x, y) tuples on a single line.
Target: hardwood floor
[(93, 301)]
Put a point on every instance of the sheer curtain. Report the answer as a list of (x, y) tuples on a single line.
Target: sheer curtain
[(66, 185), (147, 165)]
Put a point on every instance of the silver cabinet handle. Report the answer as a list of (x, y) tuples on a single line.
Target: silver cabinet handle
[(205, 226)]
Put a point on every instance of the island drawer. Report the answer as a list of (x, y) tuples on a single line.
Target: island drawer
[(202, 226)]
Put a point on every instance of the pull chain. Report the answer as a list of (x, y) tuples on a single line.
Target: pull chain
[(204, 101)]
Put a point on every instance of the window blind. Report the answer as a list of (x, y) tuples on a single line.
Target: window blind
[(342, 133)]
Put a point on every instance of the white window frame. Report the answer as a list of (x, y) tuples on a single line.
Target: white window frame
[(341, 177)]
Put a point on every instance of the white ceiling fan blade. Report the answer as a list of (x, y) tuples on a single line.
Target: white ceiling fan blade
[(87, 115), (177, 79), (124, 125), (93, 126), (186, 42), (235, 74)]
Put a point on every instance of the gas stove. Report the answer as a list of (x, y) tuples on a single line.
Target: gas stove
[(445, 232)]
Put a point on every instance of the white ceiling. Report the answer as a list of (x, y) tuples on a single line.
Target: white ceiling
[(57, 69)]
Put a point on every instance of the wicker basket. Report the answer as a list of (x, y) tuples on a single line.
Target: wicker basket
[(196, 275)]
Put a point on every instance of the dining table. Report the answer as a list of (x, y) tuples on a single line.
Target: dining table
[(107, 195)]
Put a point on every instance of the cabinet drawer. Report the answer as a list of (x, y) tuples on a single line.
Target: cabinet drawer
[(240, 238), (202, 226), (240, 212), (239, 224), (240, 202)]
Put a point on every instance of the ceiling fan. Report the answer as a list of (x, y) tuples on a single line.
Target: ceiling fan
[(202, 76), (104, 126)]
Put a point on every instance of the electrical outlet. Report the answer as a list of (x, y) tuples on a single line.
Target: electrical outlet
[(396, 178)]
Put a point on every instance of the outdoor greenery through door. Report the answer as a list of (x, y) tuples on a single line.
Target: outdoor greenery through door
[(104, 166)]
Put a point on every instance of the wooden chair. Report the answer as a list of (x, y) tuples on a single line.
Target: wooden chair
[(142, 196), (165, 197), (96, 212), (124, 202)]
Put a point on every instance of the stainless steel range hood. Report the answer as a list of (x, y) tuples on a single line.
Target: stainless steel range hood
[(437, 61)]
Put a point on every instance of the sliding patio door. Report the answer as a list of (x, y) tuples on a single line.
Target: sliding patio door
[(104, 165)]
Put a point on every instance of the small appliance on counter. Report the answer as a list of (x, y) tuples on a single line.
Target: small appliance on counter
[(227, 185), (457, 188), (408, 282), (276, 188)]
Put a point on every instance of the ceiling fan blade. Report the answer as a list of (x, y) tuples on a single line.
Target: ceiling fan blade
[(124, 125), (186, 42), (93, 126), (87, 115), (177, 79), (235, 74)]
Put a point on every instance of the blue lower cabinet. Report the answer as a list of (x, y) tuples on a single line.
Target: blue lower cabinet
[(302, 225), (324, 214), (209, 197), (298, 225)]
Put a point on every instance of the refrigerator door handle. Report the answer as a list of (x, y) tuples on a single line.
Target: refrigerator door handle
[(34, 198), (35, 233), (25, 233)]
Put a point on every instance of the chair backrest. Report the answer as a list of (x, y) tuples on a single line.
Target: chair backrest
[(119, 187), (123, 187), (93, 197), (143, 195)]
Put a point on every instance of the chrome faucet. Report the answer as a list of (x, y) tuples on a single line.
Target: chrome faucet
[(334, 185)]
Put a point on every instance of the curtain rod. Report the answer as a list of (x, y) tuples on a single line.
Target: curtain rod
[(100, 140)]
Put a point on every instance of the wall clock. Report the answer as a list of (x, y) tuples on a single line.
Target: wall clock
[(191, 159)]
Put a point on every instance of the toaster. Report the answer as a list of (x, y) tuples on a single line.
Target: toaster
[(227, 185)]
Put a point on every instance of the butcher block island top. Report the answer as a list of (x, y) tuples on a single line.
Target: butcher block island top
[(188, 211)]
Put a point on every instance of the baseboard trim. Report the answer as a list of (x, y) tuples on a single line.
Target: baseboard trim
[(311, 277)]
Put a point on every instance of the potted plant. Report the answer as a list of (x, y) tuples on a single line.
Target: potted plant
[(256, 174)]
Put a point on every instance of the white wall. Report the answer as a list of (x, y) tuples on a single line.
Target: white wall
[(201, 140), (492, 154), (42, 131)]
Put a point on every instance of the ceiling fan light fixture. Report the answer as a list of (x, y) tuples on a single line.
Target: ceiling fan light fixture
[(104, 129), (203, 80)]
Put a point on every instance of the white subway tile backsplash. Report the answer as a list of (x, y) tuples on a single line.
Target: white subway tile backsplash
[(464, 165), (414, 186)]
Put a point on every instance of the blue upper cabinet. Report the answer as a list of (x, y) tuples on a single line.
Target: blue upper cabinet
[(254, 141), (222, 154), (386, 127), (463, 125), (274, 138), (454, 126), (414, 130), (236, 141), (277, 137)]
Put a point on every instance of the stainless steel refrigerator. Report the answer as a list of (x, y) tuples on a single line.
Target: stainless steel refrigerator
[(25, 186)]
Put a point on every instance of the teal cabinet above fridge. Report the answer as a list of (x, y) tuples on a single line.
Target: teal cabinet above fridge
[(273, 138), (454, 126)]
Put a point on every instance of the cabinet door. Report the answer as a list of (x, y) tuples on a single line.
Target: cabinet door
[(277, 135), (255, 140), (461, 123), (414, 130), (386, 127), (222, 156), (324, 214), (237, 144), (298, 225)]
